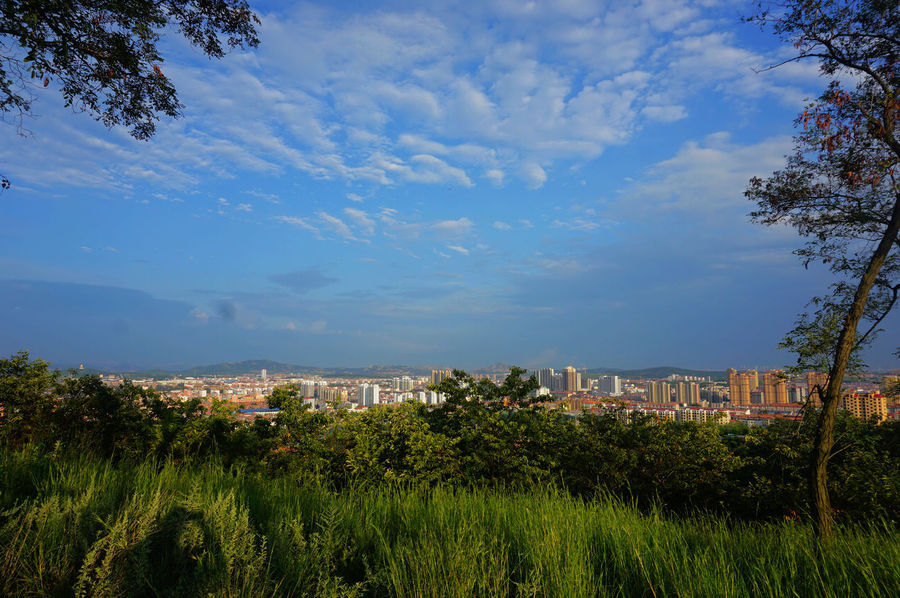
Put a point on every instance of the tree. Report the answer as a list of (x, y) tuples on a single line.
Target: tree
[(103, 56), (839, 189), (27, 399)]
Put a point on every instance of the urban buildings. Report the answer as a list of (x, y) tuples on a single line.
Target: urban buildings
[(753, 377), (405, 383), (437, 376), (659, 392), (570, 379), (867, 405), (744, 389), (609, 385), (775, 387), (367, 394), (545, 377), (331, 395), (687, 393), (815, 381), (739, 386), (429, 397)]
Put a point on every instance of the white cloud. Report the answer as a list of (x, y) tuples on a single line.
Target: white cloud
[(580, 224), (501, 225), (458, 249), (495, 175), (164, 197), (244, 207), (338, 226), (269, 197), (421, 168), (362, 220), (704, 177), (298, 222), (423, 95), (452, 228), (314, 327), (665, 114), (534, 175)]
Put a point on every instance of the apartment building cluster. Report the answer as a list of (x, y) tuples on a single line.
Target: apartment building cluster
[(744, 389), (682, 392), (568, 380)]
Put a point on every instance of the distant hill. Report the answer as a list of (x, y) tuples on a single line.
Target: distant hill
[(253, 366), (658, 372), (237, 368), (495, 369)]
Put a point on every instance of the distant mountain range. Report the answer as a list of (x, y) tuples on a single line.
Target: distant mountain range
[(253, 366), (658, 372)]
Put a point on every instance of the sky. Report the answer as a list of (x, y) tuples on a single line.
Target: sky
[(535, 183)]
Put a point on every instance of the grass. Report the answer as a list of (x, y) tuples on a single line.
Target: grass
[(83, 527)]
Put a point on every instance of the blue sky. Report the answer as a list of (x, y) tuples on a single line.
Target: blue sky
[(539, 183)]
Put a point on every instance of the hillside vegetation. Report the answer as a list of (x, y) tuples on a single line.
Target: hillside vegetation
[(120, 491), (81, 526)]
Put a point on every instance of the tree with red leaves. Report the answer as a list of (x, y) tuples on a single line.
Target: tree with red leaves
[(839, 190)]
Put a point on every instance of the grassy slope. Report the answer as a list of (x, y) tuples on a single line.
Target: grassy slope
[(84, 527)]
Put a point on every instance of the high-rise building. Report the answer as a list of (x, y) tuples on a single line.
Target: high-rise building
[(753, 375), (796, 394), (814, 381), (263, 374), (609, 385), (687, 393), (332, 394), (558, 382), (367, 394), (659, 392), (402, 384), (437, 376), (775, 387), (866, 405), (545, 377), (570, 383), (738, 387), (308, 389)]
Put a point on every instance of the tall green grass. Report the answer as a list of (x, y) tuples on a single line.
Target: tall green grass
[(83, 527)]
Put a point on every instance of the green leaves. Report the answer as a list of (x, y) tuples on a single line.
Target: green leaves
[(104, 56)]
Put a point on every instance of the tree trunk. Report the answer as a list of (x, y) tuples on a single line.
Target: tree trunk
[(824, 439)]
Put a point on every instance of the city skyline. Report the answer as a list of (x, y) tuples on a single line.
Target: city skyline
[(525, 183)]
